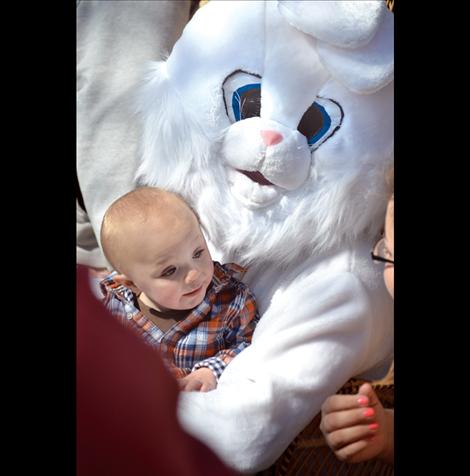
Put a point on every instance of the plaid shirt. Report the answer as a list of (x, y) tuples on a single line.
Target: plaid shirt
[(210, 336)]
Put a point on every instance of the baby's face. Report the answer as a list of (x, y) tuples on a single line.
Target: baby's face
[(171, 266)]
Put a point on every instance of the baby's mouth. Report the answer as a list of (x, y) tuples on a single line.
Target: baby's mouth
[(192, 293), (256, 176)]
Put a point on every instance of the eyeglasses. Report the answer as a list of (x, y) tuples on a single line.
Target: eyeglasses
[(381, 253)]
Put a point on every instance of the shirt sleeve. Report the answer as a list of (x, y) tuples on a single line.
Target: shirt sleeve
[(241, 319), (113, 304), (215, 364), (119, 306)]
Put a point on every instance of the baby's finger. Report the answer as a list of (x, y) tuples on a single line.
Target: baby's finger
[(343, 419), (337, 403), (192, 385), (346, 436), (207, 387)]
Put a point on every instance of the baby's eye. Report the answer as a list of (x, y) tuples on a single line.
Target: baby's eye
[(198, 254), (168, 272)]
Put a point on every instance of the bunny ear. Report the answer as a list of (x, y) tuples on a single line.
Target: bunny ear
[(354, 39), (346, 24), (363, 70)]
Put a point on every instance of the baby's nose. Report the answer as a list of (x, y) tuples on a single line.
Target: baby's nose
[(192, 276), (271, 137)]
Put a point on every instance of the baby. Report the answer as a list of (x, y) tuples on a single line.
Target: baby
[(167, 286)]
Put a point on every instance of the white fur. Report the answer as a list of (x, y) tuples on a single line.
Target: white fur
[(346, 24), (306, 238)]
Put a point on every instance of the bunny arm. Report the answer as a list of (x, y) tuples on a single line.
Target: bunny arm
[(314, 336)]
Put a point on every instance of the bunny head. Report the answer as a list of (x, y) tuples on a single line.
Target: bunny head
[(275, 119)]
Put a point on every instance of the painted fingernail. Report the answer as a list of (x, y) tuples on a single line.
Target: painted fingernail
[(369, 412), (363, 401), (373, 426)]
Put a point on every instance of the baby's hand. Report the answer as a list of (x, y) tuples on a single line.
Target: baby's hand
[(357, 427), (201, 380)]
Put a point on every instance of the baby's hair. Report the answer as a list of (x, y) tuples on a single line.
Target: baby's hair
[(136, 206)]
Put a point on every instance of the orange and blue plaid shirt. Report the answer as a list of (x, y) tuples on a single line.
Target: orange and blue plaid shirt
[(210, 336)]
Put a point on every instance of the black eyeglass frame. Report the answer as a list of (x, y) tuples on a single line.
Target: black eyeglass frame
[(377, 257), (381, 259)]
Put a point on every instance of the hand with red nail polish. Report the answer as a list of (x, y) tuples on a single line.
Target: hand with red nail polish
[(357, 427)]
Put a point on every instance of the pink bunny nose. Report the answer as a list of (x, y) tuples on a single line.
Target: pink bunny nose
[(271, 137)]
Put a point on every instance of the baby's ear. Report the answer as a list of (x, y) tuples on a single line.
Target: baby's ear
[(125, 281)]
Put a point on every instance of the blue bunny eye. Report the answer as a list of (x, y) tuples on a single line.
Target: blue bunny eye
[(246, 101), (320, 121), (242, 95)]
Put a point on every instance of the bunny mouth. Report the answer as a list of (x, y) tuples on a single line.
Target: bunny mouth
[(255, 176), (253, 189)]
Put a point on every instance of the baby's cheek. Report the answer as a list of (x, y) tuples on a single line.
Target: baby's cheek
[(210, 269), (172, 294), (168, 295)]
